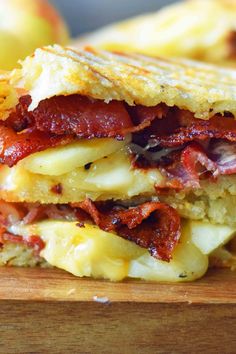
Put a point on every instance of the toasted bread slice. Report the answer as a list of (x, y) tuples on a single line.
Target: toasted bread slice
[(196, 29)]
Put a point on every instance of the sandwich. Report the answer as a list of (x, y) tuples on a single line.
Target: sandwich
[(117, 165), (197, 29)]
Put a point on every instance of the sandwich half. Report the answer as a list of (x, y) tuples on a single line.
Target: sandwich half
[(117, 165), (198, 29)]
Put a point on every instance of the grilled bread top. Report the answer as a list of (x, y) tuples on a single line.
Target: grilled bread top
[(203, 89)]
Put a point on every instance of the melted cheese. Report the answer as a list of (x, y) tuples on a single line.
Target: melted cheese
[(107, 178), (89, 251)]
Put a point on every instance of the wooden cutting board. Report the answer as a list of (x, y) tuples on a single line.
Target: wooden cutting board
[(50, 311)]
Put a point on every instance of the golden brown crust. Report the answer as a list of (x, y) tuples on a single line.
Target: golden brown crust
[(8, 95), (137, 79)]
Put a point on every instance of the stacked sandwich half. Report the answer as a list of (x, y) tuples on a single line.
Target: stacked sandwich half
[(117, 165)]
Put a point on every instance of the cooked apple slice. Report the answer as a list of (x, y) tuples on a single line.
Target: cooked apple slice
[(63, 159), (207, 237)]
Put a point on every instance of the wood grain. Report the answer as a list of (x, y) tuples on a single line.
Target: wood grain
[(55, 285), (50, 311), (122, 328)]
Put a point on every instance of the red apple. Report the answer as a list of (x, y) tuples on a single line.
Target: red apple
[(26, 25)]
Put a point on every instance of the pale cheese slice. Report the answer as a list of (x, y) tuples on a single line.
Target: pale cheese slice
[(108, 178), (89, 251)]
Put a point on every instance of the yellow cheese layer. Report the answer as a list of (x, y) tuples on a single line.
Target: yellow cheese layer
[(107, 178), (89, 251)]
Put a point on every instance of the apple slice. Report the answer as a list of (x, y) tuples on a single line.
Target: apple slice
[(208, 237), (26, 25), (63, 159)]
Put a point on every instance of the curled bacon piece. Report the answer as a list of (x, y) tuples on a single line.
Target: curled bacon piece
[(185, 167), (181, 127), (152, 225), (140, 114), (196, 162), (16, 146), (10, 214), (21, 118), (33, 241), (223, 153), (82, 116), (62, 119), (27, 213)]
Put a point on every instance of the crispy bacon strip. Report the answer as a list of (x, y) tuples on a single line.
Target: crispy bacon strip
[(62, 119), (152, 225), (33, 241), (185, 128), (223, 153), (82, 116), (11, 213), (196, 162), (28, 213), (21, 118), (141, 114), (16, 146), (185, 167)]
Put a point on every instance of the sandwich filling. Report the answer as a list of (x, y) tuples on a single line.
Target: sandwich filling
[(184, 149)]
